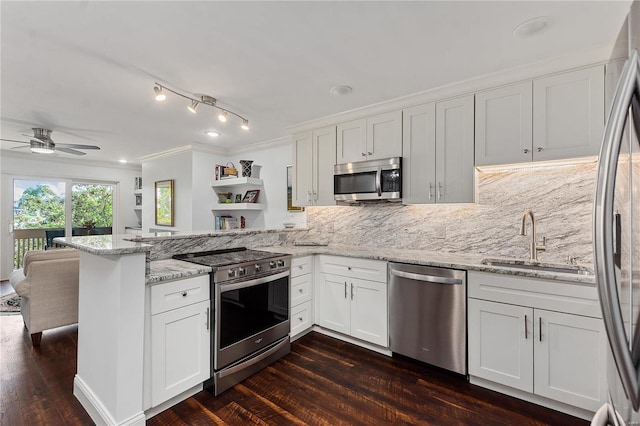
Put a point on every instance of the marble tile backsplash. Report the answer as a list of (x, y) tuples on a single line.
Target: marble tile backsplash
[(560, 196)]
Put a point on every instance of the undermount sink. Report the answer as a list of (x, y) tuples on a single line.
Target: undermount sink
[(546, 267)]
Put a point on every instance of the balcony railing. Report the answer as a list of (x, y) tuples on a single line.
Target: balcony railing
[(40, 239)]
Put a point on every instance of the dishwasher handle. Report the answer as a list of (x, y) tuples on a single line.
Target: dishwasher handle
[(426, 278)]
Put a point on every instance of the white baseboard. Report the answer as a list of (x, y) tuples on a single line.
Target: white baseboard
[(529, 397), (173, 401), (349, 339), (96, 409)]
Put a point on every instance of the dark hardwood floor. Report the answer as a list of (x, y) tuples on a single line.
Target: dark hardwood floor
[(322, 382)]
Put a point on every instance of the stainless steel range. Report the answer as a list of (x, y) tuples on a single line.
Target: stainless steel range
[(250, 302)]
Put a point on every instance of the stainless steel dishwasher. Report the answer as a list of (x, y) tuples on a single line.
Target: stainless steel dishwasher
[(428, 315)]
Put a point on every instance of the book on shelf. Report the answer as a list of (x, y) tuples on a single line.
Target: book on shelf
[(227, 222)]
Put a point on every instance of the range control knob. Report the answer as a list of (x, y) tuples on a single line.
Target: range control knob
[(280, 263), (242, 271), (258, 268), (232, 273), (272, 264)]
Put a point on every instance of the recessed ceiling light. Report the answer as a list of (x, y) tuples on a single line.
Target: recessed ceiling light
[(212, 134), (340, 90), (532, 27), (122, 161)]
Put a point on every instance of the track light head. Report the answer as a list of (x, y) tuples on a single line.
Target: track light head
[(223, 116), (159, 95), (193, 106), (245, 124)]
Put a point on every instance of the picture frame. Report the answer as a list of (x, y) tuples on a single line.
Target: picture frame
[(164, 202), (251, 196), (238, 198)]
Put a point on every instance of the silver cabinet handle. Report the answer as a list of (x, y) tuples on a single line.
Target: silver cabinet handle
[(369, 153), (208, 320), (539, 149), (438, 191), (364, 154), (430, 188), (603, 231), (379, 181), (425, 278), (345, 290), (526, 329), (351, 291), (526, 151), (540, 321)]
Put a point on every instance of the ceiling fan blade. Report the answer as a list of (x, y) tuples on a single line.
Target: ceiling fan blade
[(34, 138), (11, 140), (70, 151), (74, 145)]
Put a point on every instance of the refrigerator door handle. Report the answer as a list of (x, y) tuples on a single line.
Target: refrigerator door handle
[(603, 230)]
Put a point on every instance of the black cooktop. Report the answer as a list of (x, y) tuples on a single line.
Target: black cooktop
[(226, 257)]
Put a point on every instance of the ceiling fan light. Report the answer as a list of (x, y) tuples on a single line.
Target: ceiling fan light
[(159, 95), (223, 116), (193, 107), (245, 124), (42, 150)]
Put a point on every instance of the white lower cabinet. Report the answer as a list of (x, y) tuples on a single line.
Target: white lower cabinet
[(180, 349), (556, 355), (301, 295), (350, 304)]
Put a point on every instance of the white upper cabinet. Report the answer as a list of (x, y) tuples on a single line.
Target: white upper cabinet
[(438, 152), (568, 114), (314, 155), (454, 151), (550, 118), (504, 126), (373, 138)]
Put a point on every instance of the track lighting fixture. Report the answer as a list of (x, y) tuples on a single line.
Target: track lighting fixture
[(159, 95), (204, 99)]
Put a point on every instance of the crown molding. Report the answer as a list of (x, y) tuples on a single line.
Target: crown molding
[(583, 59), (271, 143), (6, 154), (180, 149)]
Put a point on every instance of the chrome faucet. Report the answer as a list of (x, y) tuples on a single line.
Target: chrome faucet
[(533, 246)]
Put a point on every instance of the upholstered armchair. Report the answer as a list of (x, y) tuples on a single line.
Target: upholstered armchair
[(48, 286)]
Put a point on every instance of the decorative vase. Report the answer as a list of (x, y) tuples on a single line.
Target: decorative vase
[(256, 171), (246, 167)]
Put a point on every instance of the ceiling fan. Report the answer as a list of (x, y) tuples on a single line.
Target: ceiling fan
[(41, 143)]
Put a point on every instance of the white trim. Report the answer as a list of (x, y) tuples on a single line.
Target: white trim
[(154, 411), (181, 149), (271, 143), (529, 397), (349, 339), (96, 409)]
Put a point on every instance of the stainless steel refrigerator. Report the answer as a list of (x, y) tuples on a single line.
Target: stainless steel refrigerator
[(616, 239)]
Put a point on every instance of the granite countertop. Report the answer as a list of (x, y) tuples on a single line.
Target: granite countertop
[(105, 244), (171, 269), (174, 235), (469, 262)]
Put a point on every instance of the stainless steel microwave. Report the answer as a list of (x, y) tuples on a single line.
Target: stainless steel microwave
[(374, 180)]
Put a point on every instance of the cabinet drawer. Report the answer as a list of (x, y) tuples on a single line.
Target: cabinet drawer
[(301, 318), (301, 288), (366, 269), (301, 266), (179, 293)]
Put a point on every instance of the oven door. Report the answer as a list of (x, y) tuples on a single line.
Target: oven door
[(249, 316)]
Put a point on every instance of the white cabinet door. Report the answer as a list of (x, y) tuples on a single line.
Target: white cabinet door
[(570, 359), (369, 311), (324, 158), (384, 136), (504, 125), (180, 350), (334, 303), (501, 343), (418, 154), (351, 141), (454, 151), (568, 114), (302, 170)]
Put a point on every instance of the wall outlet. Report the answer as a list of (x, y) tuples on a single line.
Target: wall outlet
[(441, 231)]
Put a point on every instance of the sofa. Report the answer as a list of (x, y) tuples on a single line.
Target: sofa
[(48, 285)]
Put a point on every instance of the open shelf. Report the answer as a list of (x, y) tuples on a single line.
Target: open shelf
[(237, 206), (236, 181)]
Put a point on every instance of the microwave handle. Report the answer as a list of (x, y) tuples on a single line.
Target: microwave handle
[(379, 181)]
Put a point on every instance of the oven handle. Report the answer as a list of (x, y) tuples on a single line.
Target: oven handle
[(251, 283), (231, 370)]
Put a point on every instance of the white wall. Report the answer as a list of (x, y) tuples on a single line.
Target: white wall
[(203, 196), (29, 166)]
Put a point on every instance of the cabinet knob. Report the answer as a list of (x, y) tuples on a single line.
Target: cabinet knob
[(184, 294), (539, 149), (369, 153), (363, 154), (300, 290), (526, 151), (299, 318)]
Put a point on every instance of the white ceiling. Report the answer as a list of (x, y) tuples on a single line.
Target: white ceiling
[(86, 69)]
